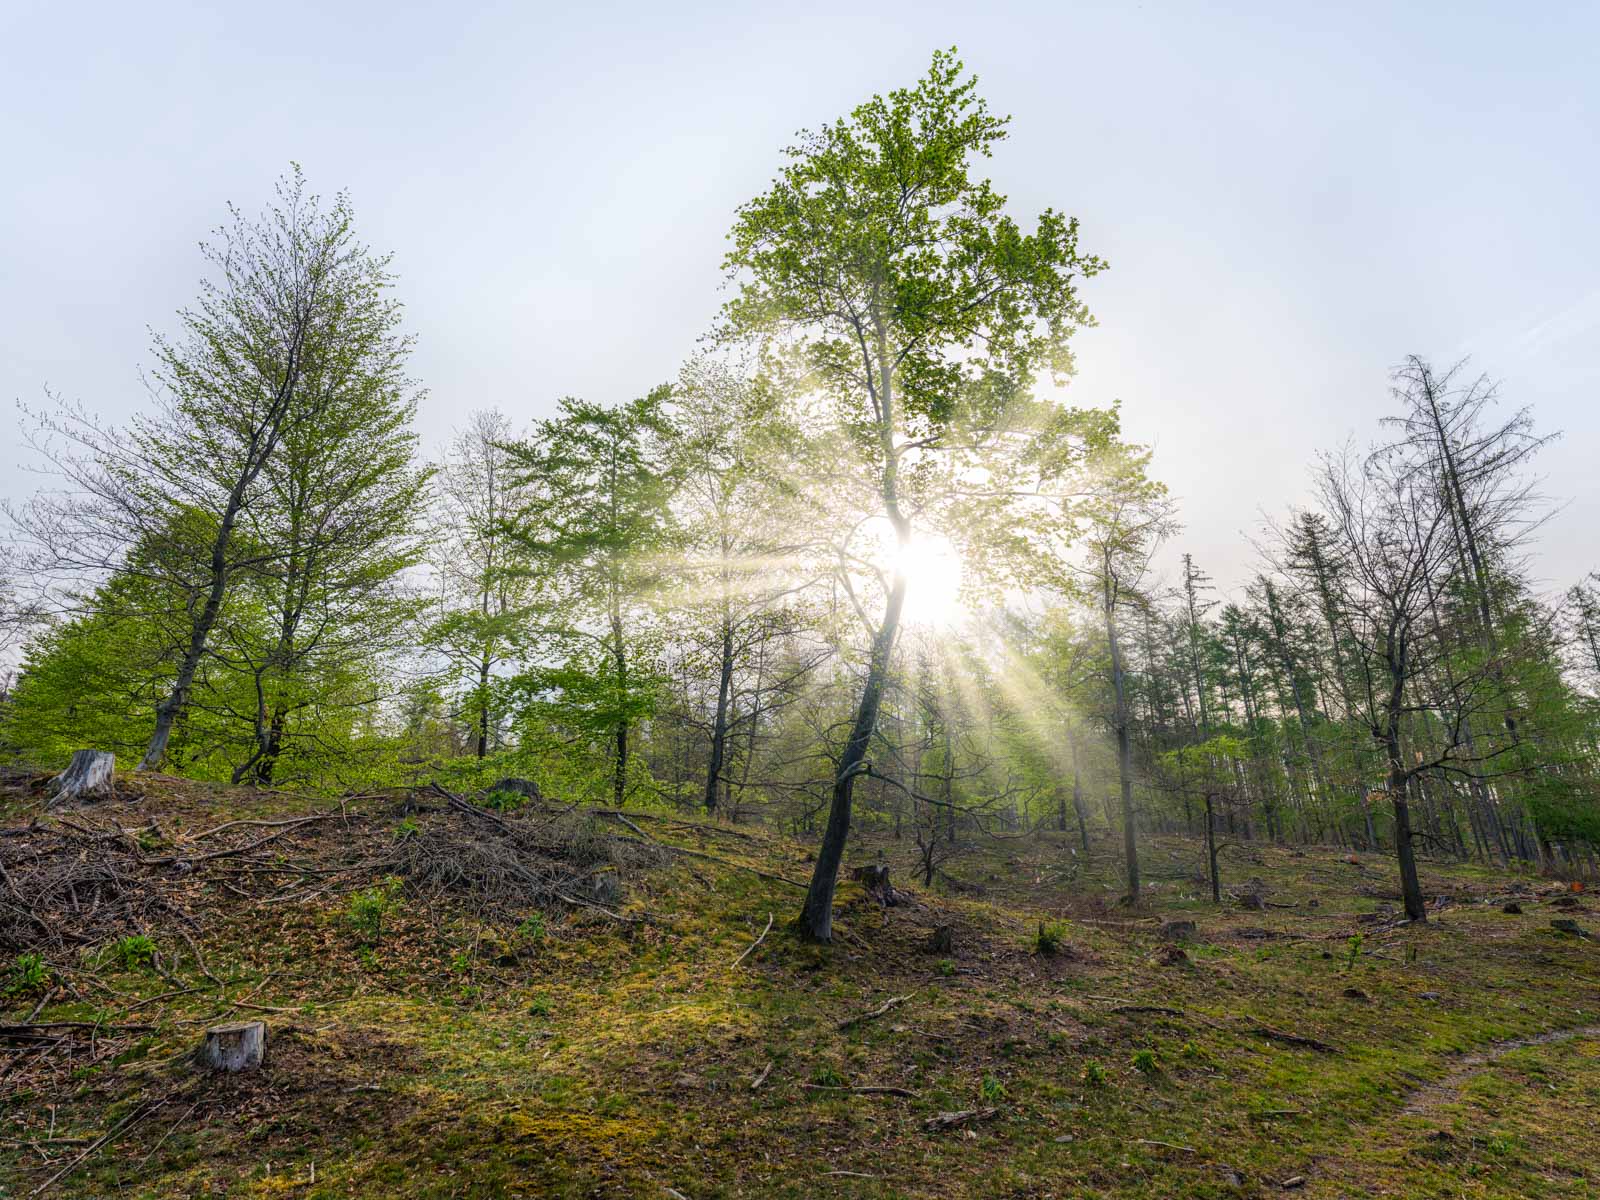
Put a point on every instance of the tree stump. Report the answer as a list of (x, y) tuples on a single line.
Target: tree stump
[(88, 774), (238, 1047), (876, 880)]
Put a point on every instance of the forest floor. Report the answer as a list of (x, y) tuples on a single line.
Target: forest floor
[(632, 1042)]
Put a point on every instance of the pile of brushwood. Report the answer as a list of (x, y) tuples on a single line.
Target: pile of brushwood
[(76, 879)]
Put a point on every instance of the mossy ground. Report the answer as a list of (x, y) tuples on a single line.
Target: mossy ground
[(459, 1058)]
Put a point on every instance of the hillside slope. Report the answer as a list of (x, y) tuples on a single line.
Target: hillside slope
[(551, 1003)]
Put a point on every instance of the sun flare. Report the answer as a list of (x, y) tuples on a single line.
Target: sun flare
[(934, 574)]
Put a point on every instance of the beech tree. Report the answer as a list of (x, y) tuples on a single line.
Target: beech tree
[(340, 505), (896, 280), (293, 295)]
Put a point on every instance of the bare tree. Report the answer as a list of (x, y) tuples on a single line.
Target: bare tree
[(483, 578), (1391, 526)]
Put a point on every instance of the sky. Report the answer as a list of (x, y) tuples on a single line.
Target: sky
[(1291, 198)]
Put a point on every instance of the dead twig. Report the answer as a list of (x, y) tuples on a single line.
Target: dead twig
[(755, 943)]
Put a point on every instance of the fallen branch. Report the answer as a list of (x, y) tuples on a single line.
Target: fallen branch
[(1165, 1145), (950, 1120), (890, 1003), (286, 821), (687, 853), (1249, 1026), (137, 1115), (1290, 1039), (866, 1089), (1158, 1009)]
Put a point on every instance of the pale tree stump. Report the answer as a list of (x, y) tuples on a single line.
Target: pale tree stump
[(88, 774), (237, 1047)]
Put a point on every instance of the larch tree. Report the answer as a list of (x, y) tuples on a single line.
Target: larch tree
[(1125, 522), (1392, 531), (596, 527)]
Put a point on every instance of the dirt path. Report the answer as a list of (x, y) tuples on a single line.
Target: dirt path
[(1431, 1096)]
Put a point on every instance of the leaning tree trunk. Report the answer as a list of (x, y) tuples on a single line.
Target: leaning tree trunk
[(88, 774), (816, 917)]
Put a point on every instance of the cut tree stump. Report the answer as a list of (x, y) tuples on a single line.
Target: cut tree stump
[(88, 774), (241, 1046), (876, 881)]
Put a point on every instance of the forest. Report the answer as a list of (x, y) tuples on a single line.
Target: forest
[(859, 608)]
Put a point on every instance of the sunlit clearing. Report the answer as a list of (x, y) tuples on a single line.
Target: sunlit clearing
[(933, 582)]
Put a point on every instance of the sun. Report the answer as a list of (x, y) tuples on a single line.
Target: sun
[(934, 574)]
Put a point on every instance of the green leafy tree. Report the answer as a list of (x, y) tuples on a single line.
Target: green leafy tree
[(594, 529), (899, 284), (295, 303)]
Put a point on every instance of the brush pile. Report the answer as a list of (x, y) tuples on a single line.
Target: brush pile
[(75, 881)]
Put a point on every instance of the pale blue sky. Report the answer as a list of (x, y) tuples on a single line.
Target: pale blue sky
[(1291, 196)]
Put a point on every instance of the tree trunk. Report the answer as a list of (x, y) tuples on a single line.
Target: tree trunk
[(1130, 834), (271, 749), (719, 726), (1410, 887), (482, 748), (816, 917), (1078, 806), (1211, 851)]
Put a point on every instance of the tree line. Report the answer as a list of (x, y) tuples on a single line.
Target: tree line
[(705, 597)]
